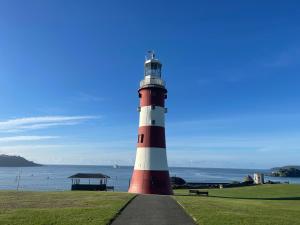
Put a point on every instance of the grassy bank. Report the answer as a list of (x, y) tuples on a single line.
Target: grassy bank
[(60, 208), (256, 205)]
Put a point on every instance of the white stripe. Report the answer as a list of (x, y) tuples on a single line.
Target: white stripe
[(151, 159), (147, 115)]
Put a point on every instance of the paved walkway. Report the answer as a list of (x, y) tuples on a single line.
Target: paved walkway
[(153, 210)]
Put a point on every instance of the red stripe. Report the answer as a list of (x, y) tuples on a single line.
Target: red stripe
[(153, 136), (150, 182), (152, 96)]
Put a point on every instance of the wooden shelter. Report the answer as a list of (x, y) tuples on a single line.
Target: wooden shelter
[(94, 182)]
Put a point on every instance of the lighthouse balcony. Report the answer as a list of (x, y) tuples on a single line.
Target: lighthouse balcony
[(149, 81)]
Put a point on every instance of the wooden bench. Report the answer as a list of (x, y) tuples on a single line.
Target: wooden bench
[(197, 192)]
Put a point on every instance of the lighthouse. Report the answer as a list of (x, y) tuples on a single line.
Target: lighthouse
[(151, 173)]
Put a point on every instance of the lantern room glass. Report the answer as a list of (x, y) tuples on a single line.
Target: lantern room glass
[(153, 69)]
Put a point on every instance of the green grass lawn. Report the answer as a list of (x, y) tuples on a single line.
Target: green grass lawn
[(60, 208), (256, 205)]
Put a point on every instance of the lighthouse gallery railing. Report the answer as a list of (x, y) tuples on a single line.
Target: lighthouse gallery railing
[(152, 81)]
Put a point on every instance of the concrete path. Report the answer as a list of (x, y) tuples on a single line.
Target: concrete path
[(153, 210)]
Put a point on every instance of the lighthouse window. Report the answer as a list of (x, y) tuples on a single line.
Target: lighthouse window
[(152, 122), (153, 69), (152, 107), (153, 66), (147, 69), (140, 138)]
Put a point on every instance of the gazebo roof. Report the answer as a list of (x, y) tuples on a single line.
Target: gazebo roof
[(89, 175)]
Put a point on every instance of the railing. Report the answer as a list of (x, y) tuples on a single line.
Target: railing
[(152, 81)]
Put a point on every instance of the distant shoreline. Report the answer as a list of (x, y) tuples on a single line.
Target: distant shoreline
[(16, 161), (187, 167)]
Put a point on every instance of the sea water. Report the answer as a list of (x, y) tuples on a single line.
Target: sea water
[(55, 177)]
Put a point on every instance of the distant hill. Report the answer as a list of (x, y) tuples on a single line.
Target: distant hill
[(286, 167), (15, 161), (286, 171)]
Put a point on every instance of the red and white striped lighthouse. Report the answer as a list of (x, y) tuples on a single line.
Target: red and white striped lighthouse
[(151, 173)]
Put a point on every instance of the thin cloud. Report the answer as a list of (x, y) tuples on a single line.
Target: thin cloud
[(42, 122), (21, 148), (26, 138)]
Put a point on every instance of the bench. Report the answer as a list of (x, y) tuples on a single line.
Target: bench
[(197, 192)]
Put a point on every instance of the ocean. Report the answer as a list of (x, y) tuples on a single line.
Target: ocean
[(55, 177)]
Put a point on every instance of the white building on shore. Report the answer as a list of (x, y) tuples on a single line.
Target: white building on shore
[(258, 178)]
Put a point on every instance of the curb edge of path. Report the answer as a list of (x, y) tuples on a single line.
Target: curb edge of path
[(195, 220), (121, 210)]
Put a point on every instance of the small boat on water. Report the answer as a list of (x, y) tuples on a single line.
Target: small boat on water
[(116, 166)]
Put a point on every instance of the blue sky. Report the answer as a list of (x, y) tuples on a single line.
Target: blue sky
[(69, 74)]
